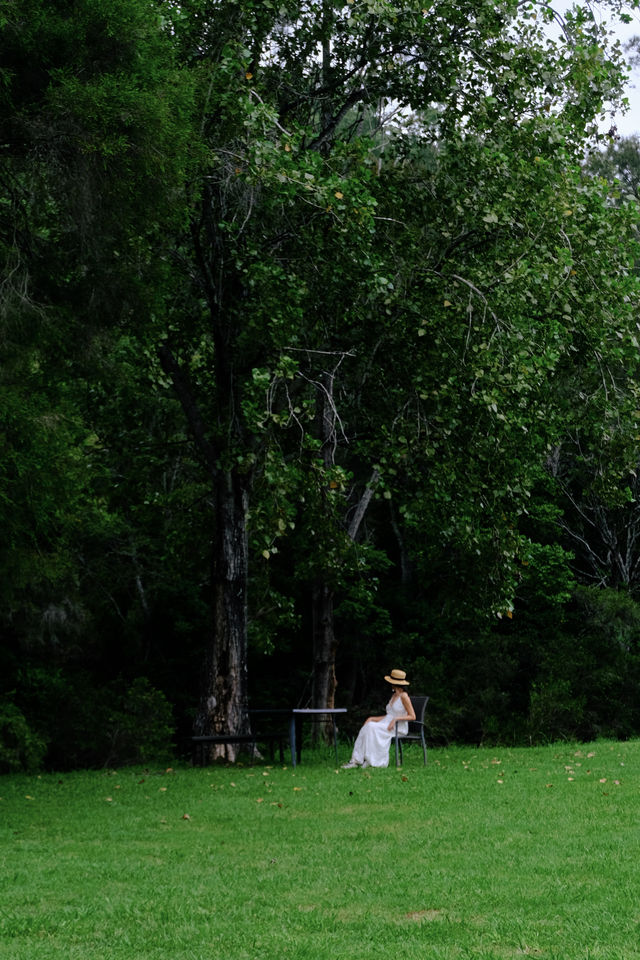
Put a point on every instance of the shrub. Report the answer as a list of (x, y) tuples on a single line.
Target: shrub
[(85, 725), (20, 747), (139, 725)]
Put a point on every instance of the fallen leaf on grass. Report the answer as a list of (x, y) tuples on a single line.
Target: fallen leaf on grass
[(185, 816), (404, 779), (423, 914), (260, 800)]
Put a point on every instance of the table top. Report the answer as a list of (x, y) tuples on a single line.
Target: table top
[(304, 710), (298, 710)]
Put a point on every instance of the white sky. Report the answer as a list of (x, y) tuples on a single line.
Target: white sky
[(629, 123)]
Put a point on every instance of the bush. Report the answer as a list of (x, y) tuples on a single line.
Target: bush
[(89, 726), (20, 747), (139, 725), (555, 712)]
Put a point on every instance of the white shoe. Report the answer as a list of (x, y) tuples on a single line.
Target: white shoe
[(350, 765)]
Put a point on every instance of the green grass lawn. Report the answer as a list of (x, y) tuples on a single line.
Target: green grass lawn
[(481, 854)]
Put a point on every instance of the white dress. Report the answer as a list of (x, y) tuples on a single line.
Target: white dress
[(373, 741)]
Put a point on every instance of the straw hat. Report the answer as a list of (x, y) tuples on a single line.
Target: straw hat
[(398, 678)]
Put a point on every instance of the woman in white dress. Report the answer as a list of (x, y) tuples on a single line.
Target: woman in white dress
[(371, 748)]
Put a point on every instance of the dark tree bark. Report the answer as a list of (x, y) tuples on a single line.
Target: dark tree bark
[(324, 647), (223, 706), (324, 641)]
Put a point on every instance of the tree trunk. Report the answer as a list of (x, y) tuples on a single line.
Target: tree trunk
[(324, 640), (224, 706), (324, 647), (325, 643)]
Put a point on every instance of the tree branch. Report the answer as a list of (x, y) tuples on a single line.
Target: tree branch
[(363, 503), (184, 392)]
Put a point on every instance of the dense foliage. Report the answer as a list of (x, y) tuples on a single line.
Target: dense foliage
[(319, 353)]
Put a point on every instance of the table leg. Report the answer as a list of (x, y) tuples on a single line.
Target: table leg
[(292, 739), (299, 738)]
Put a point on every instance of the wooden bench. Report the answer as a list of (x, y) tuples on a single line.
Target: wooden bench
[(199, 743)]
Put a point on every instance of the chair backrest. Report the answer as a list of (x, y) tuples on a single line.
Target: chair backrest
[(419, 705)]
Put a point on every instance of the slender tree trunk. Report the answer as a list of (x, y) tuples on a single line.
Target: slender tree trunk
[(324, 640), (324, 647)]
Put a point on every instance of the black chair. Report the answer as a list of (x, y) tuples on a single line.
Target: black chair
[(415, 733)]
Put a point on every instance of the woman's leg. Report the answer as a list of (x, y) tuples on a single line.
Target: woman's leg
[(359, 748)]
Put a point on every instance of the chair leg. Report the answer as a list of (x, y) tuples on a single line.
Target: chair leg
[(397, 750), (424, 749)]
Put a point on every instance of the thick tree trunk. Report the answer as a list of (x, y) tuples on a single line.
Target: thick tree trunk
[(224, 704)]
